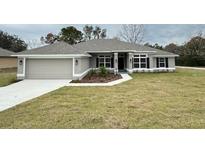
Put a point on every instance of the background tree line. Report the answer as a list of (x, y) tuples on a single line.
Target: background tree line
[(11, 42), (72, 35), (191, 53)]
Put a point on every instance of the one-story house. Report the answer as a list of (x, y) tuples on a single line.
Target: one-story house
[(6, 61), (63, 61)]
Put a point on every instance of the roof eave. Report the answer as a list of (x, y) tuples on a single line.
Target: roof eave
[(52, 55), (171, 55), (112, 51)]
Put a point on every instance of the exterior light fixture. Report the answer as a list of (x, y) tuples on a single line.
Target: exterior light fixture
[(20, 62), (76, 62)]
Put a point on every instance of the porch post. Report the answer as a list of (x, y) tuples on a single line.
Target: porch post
[(151, 66), (24, 67), (115, 63), (130, 55)]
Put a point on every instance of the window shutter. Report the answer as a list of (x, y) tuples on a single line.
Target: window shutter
[(97, 62), (112, 62), (167, 64), (157, 62), (147, 62)]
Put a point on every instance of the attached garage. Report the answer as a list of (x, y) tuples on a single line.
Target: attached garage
[(49, 68)]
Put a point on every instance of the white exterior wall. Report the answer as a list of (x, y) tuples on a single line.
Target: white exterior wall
[(82, 65), (171, 62)]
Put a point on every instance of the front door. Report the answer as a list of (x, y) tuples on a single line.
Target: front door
[(121, 63)]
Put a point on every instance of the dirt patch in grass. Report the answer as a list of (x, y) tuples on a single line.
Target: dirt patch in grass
[(96, 78)]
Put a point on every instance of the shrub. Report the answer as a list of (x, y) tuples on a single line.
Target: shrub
[(91, 73), (103, 72)]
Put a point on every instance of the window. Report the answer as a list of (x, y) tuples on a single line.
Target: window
[(140, 61), (104, 61), (162, 62)]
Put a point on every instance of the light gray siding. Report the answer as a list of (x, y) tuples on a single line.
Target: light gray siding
[(81, 65), (151, 62), (154, 62), (171, 62), (20, 66), (49, 68)]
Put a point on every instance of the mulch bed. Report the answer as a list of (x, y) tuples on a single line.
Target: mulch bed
[(96, 78)]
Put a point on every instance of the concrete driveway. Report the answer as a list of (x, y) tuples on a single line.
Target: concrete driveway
[(25, 90)]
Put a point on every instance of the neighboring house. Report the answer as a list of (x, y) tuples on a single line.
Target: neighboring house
[(63, 61), (6, 61)]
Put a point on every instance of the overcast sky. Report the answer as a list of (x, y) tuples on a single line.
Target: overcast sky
[(161, 34)]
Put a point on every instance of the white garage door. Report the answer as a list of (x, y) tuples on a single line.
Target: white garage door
[(49, 68)]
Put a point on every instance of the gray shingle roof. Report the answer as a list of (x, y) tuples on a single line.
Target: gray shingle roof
[(56, 48), (114, 44), (5, 53), (89, 46)]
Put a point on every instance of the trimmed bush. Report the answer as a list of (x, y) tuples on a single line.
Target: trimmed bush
[(103, 71)]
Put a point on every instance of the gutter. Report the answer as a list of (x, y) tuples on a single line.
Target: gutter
[(52, 56)]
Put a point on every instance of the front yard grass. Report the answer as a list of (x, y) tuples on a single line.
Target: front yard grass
[(7, 76), (150, 100)]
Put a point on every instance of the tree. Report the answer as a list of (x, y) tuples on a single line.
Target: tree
[(51, 38), (88, 30), (12, 42), (196, 46), (103, 34), (171, 48), (71, 35), (156, 46), (132, 33), (99, 33), (148, 45), (96, 32)]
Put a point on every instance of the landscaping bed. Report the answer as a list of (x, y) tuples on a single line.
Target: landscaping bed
[(97, 78), (102, 75)]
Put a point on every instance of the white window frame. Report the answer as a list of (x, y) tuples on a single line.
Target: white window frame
[(140, 56), (164, 62), (104, 57)]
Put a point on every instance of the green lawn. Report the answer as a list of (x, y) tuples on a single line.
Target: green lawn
[(7, 76), (150, 100)]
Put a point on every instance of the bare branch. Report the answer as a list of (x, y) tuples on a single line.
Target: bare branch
[(132, 33)]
